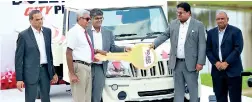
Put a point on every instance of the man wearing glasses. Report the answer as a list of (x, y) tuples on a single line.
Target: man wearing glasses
[(188, 51), (80, 55), (103, 41)]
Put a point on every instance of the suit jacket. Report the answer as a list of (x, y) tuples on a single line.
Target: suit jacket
[(108, 44), (195, 44), (27, 58), (231, 48)]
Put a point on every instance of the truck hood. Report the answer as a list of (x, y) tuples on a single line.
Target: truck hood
[(162, 51)]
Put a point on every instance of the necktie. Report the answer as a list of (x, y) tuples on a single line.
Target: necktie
[(90, 45)]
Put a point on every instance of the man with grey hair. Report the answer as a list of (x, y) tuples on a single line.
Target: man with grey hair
[(34, 60), (103, 41), (80, 55)]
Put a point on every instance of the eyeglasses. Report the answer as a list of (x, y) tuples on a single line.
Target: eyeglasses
[(180, 13), (87, 19), (98, 18)]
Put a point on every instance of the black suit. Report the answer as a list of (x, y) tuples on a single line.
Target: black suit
[(28, 67), (229, 80)]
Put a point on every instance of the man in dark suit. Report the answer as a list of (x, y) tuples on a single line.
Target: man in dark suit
[(103, 41), (224, 47), (34, 60)]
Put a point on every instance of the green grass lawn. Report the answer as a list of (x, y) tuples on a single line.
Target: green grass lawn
[(232, 5), (247, 4), (206, 79)]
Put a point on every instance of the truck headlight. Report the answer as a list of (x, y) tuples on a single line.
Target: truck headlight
[(118, 69)]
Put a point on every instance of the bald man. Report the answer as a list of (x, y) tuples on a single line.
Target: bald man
[(224, 48)]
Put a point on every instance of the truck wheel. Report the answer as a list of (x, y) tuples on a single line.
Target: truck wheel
[(212, 98), (185, 100)]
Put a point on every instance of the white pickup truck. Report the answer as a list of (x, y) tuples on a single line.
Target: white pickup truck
[(132, 22)]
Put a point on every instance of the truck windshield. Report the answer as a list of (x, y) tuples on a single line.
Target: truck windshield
[(131, 23), (135, 23)]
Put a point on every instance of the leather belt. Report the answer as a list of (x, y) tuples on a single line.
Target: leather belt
[(81, 62), (43, 65), (180, 59)]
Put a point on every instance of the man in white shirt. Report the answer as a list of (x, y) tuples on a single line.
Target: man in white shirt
[(34, 60), (80, 55), (103, 40), (188, 51)]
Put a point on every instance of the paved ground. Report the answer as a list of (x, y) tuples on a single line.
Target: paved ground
[(247, 92), (206, 91), (59, 94)]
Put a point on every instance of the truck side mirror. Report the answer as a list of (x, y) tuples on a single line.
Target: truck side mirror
[(250, 82)]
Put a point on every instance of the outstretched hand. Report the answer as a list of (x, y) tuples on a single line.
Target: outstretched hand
[(127, 49), (151, 46), (101, 52)]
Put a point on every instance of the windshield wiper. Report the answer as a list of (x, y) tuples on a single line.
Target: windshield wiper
[(113, 76), (123, 35), (151, 34)]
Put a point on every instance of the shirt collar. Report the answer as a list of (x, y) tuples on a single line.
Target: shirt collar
[(35, 30), (79, 27), (93, 29), (188, 21), (223, 30)]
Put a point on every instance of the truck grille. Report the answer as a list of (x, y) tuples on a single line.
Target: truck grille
[(155, 92), (161, 69)]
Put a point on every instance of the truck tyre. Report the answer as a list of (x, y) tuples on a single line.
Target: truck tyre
[(212, 98), (185, 100)]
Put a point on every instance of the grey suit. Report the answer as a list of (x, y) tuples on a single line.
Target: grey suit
[(28, 67), (99, 71), (195, 53)]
